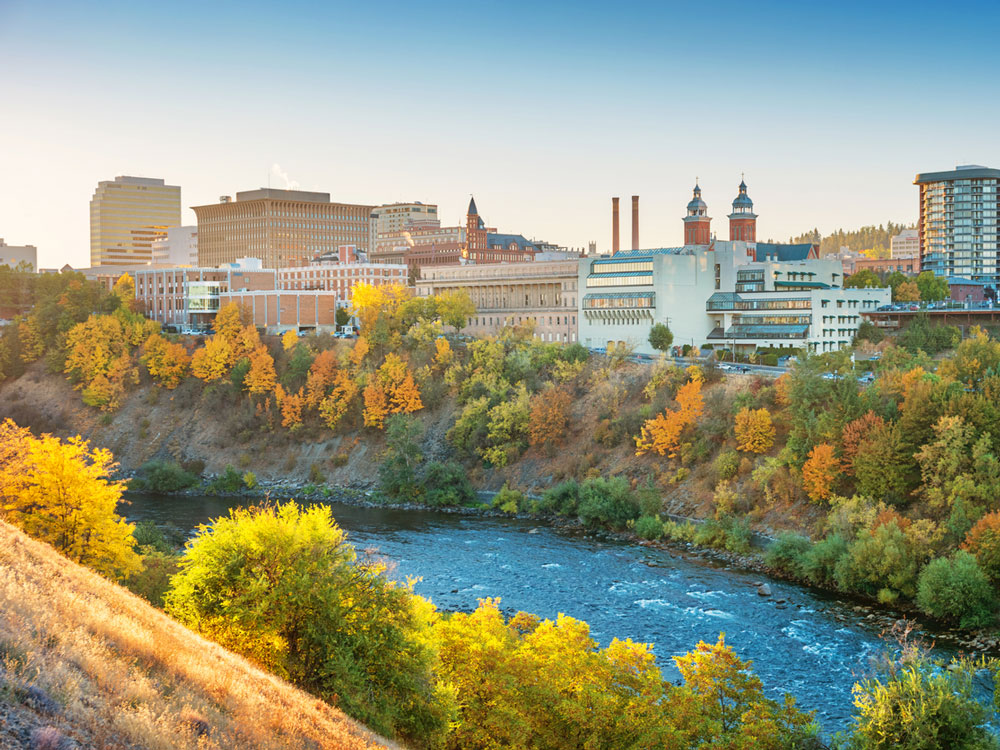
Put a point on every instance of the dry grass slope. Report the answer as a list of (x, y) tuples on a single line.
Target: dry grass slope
[(84, 658)]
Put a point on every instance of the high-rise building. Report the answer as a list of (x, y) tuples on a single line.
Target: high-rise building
[(958, 222), (905, 245), (14, 255), (281, 227), (127, 215), (392, 218), (178, 248)]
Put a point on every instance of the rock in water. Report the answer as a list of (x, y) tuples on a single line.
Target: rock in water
[(763, 590)]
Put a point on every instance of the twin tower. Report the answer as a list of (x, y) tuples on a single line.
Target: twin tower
[(697, 223)]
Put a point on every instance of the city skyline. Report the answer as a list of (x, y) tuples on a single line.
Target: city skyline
[(543, 113)]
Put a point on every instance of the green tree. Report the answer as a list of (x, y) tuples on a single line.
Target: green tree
[(282, 586), (343, 316), (661, 337), (956, 589), (402, 457), (863, 279), (456, 308), (932, 288)]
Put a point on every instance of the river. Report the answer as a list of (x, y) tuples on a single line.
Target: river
[(810, 644)]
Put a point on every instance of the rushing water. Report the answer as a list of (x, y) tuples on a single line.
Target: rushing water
[(810, 645)]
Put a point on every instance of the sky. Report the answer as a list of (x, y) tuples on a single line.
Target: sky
[(543, 111)]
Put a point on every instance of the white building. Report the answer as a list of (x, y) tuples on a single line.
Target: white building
[(14, 255), (905, 245), (178, 248), (728, 294)]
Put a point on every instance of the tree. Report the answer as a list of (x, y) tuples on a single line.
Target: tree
[(855, 432), (343, 316), (443, 353), (124, 289), (754, 430), (212, 361), (289, 339), (228, 322), (661, 337), (661, 434), (931, 287), (59, 492), (261, 378), (376, 405), (983, 541), (281, 585), (863, 279), (290, 405), (907, 291), (819, 472), (322, 374), (456, 308), (334, 406), (167, 362), (956, 589), (549, 417)]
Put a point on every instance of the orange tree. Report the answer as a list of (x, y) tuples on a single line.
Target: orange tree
[(754, 430), (820, 471), (983, 541), (261, 377), (549, 417), (661, 434)]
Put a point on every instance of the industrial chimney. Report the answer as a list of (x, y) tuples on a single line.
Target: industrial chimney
[(635, 222), (614, 226)]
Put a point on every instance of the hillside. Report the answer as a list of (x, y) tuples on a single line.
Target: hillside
[(81, 658)]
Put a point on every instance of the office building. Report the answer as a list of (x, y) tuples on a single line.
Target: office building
[(178, 248), (394, 218), (340, 277), (905, 245), (127, 215), (734, 294), (958, 223), (543, 293), (281, 227), (15, 255)]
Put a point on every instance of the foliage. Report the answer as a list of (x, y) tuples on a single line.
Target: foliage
[(262, 377), (820, 562), (649, 528), (562, 499), (932, 287), (983, 541), (660, 337), (754, 430), (956, 589), (282, 586), (335, 406), (212, 361), (819, 472), (924, 336), (456, 308), (907, 291), (662, 433), (869, 332), (508, 500), (59, 492), (787, 553), (863, 279), (726, 464), (228, 483), (549, 417), (162, 477), (289, 339), (446, 483), (607, 502), (882, 562), (167, 362), (402, 457)]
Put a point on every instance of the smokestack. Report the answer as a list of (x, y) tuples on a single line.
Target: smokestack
[(635, 222), (614, 226)]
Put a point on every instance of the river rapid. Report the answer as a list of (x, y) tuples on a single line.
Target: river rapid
[(800, 640)]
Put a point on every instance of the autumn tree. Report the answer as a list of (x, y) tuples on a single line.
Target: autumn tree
[(321, 377), (212, 361), (856, 432), (359, 351), (59, 492), (261, 377), (124, 289), (907, 292), (820, 471), (99, 360), (338, 402), (289, 339), (392, 391), (661, 434), (290, 405), (754, 430), (983, 541), (228, 322), (443, 353), (167, 362), (376, 405), (549, 417), (456, 308)]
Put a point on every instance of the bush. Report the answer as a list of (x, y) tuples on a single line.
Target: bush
[(162, 476), (153, 581), (228, 483), (607, 502), (195, 466), (446, 484), (881, 562), (983, 541), (563, 499), (680, 532), (820, 561), (508, 500), (711, 533), (148, 535), (727, 464), (649, 528), (316, 475), (250, 480), (737, 535), (956, 589), (787, 553)]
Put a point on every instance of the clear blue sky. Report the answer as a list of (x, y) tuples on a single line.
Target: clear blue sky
[(542, 110)]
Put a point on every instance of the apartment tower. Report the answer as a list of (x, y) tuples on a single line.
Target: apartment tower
[(127, 215)]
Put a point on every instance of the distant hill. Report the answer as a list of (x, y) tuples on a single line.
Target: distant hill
[(84, 661), (873, 237)]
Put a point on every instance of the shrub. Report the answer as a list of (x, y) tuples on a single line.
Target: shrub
[(649, 528), (711, 533), (250, 480), (153, 581), (727, 464), (608, 502), (340, 459), (147, 534), (881, 562), (244, 461), (820, 561), (562, 499), (680, 532), (316, 475), (508, 500), (737, 535), (228, 483), (956, 589), (162, 476), (195, 466), (446, 484), (787, 553)]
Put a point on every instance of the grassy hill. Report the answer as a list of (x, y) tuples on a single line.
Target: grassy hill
[(83, 660)]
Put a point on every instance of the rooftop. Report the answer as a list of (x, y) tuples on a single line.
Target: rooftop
[(966, 172)]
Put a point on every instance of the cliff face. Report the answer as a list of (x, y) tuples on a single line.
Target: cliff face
[(82, 660)]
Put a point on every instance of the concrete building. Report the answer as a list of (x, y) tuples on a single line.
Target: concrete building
[(541, 292), (14, 255), (958, 223), (905, 245), (854, 263), (127, 215), (281, 227), (277, 311), (341, 277), (424, 243), (733, 294), (178, 248), (393, 218)]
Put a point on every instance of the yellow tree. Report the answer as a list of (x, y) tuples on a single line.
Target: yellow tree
[(754, 430), (367, 301), (443, 353), (261, 377), (246, 342), (167, 362), (549, 417), (289, 339), (124, 289), (376, 404), (228, 322), (290, 405), (211, 362), (334, 406), (64, 498), (397, 382), (359, 351), (321, 376), (908, 291), (820, 471)]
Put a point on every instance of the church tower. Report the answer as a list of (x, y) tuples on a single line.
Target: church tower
[(743, 221), (475, 233), (697, 223)]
